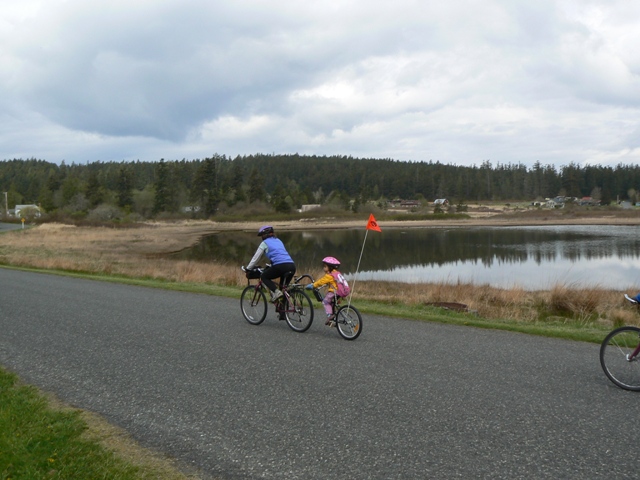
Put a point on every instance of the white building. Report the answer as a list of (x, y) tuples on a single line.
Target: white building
[(22, 210)]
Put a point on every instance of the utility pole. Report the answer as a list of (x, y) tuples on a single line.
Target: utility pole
[(6, 205)]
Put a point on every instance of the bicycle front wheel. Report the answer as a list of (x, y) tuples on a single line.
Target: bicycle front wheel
[(349, 322), (254, 305), (299, 311), (615, 351)]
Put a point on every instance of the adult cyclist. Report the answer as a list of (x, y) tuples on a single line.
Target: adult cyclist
[(282, 265)]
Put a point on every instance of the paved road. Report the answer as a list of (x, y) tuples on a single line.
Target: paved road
[(185, 374), (9, 226)]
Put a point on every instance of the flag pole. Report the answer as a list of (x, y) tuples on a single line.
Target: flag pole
[(371, 225), (358, 268)]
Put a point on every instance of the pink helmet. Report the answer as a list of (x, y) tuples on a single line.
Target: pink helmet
[(333, 261)]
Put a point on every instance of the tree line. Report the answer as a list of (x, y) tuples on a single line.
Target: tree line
[(206, 187)]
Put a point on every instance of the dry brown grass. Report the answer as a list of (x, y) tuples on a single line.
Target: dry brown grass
[(138, 252), (606, 307)]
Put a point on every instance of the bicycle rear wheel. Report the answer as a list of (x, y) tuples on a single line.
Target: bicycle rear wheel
[(349, 322), (299, 311), (614, 357), (254, 305)]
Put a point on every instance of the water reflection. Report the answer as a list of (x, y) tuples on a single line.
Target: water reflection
[(530, 257)]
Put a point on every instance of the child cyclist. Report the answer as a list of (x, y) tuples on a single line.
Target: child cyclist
[(337, 286)]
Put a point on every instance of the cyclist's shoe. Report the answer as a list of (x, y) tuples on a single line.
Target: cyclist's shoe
[(632, 300), (330, 321), (276, 295), (281, 316)]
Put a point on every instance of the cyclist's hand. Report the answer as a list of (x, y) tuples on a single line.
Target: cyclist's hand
[(243, 269), (309, 287)]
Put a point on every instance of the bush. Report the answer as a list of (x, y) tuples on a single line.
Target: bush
[(103, 213)]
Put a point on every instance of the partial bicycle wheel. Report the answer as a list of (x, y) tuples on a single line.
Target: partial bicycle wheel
[(254, 305), (349, 322), (299, 311), (615, 357)]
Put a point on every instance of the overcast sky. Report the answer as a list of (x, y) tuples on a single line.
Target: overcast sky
[(455, 81)]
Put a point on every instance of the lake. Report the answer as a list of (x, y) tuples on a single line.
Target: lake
[(534, 258)]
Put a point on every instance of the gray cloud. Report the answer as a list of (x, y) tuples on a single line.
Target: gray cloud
[(459, 82)]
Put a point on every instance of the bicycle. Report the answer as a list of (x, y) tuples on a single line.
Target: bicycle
[(346, 318), (294, 306), (619, 357)]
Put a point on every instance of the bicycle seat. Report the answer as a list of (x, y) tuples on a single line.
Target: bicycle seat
[(286, 278)]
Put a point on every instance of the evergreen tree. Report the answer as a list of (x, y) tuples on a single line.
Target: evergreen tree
[(256, 186), (305, 179), (94, 192), (206, 187), (124, 187), (70, 188), (163, 188)]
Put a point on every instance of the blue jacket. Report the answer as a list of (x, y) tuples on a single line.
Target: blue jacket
[(274, 249)]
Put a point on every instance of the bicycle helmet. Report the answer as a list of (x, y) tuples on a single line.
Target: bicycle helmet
[(266, 230), (333, 262)]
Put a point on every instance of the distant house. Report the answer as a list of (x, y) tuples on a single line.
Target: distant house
[(443, 202), (27, 210), (588, 201), (310, 206), (557, 202), (409, 203)]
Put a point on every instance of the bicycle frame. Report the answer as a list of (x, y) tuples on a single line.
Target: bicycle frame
[(294, 306), (294, 284), (632, 357)]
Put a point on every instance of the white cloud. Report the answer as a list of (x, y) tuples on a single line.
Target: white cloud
[(459, 82)]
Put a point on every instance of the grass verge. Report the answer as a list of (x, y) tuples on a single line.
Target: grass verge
[(566, 329), (40, 440)]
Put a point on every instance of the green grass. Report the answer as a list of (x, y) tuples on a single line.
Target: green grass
[(39, 442), (567, 329)]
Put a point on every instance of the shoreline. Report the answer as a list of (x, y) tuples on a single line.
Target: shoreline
[(196, 229), (160, 238)]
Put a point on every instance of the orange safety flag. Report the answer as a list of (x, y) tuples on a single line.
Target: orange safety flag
[(372, 224)]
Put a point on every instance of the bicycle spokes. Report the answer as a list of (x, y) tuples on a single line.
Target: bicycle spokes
[(619, 357), (299, 311)]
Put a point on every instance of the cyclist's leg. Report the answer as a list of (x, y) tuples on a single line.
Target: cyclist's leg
[(287, 271), (277, 271), (327, 303), (267, 277)]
